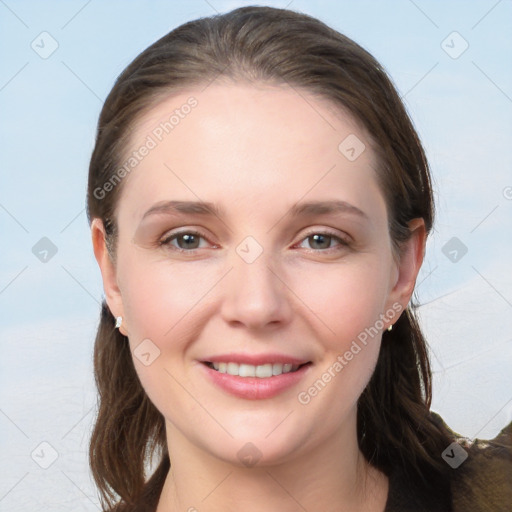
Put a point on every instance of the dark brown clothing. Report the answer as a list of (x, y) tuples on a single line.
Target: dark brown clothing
[(481, 483)]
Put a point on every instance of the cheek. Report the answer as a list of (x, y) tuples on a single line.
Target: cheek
[(163, 304), (347, 298), (161, 298), (348, 301), (167, 304)]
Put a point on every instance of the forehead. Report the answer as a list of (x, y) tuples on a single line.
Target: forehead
[(229, 104), (256, 142)]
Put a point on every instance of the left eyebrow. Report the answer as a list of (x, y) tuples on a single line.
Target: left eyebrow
[(325, 208)]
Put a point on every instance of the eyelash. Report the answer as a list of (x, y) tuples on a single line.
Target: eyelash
[(342, 243)]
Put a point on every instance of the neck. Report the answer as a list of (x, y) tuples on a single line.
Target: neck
[(331, 477)]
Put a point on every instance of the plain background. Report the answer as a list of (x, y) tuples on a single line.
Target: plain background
[(450, 62)]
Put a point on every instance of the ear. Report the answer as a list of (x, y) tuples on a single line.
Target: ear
[(108, 271), (408, 264)]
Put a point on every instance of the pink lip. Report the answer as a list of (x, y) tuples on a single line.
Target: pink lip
[(254, 388), (254, 359)]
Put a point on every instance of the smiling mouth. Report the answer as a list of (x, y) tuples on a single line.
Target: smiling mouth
[(262, 371)]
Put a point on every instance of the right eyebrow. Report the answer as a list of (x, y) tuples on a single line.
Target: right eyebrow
[(191, 207)]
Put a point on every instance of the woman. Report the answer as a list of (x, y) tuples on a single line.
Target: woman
[(259, 204)]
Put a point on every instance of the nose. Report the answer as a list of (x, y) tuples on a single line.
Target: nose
[(256, 296)]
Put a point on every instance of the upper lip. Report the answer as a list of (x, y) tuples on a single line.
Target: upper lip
[(255, 359)]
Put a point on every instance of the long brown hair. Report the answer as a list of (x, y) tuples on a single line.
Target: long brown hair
[(281, 47)]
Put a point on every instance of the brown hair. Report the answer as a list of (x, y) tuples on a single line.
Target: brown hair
[(274, 46)]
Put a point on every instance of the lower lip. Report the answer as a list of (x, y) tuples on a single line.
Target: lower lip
[(254, 388)]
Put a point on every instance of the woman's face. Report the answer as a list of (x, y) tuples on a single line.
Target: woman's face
[(253, 240)]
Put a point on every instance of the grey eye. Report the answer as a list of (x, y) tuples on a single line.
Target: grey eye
[(188, 241), (319, 241)]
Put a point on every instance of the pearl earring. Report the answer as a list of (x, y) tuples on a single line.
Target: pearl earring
[(119, 321), (390, 328)]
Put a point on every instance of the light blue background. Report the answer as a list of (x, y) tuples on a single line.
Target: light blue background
[(49, 108)]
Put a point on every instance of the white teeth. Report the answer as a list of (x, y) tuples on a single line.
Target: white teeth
[(243, 370), (261, 371), (277, 369), (232, 368)]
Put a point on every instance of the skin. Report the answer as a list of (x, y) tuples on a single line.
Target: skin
[(255, 151)]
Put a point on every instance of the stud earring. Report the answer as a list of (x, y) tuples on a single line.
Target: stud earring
[(119, 321), (390, 328)]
